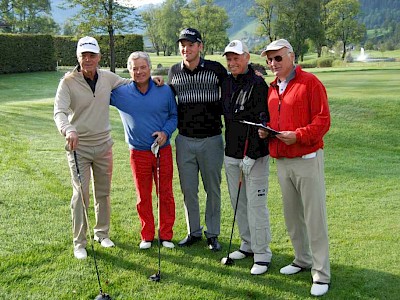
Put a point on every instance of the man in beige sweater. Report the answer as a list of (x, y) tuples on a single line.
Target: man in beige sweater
[(81, 113)]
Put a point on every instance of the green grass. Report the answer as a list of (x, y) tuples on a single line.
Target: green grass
[(362, 174)]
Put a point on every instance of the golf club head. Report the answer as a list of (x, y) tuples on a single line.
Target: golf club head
[(103, 296), (155, 277), (155, 147), (227, 261)]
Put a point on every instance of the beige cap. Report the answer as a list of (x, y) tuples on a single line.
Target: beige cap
[(277, 45)]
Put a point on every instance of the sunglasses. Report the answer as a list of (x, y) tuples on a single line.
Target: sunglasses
[(277, 58)]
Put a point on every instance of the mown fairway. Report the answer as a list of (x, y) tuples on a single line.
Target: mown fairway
[(362, 159)]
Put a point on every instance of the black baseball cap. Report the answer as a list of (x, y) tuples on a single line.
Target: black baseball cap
[(191, 35)]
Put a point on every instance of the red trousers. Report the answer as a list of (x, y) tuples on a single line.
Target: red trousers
[(144, 170)]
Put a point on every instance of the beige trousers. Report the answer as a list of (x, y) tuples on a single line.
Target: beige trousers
[(304, 203), (96, 163)]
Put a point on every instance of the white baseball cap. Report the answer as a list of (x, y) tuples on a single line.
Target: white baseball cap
[(277, 45), (237, 47), (87, 44)]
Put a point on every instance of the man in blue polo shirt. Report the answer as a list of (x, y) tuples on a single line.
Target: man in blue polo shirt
[(148, 113)]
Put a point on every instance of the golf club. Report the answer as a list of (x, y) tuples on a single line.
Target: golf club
[(227, 260), (101, 295), (155, 149)]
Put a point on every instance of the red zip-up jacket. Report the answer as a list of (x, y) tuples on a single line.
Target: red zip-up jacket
[(303, 108)]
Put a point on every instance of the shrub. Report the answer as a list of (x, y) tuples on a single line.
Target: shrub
[(260, 68), (65, 47), (160, 71), (26, 53), (324, 62), (308, 64)]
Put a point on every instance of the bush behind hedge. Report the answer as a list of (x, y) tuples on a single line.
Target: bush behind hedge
[(65, 47), (32, 53), (26, 53)]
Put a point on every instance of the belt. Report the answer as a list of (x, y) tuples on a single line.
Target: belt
[(309, 155)]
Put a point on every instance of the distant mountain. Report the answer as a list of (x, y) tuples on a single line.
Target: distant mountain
[(61, 15), (375, 14), (237, 11)]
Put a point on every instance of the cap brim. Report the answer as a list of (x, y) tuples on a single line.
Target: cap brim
[(91, 50), (273, 48), (194, 40), (233, 51)]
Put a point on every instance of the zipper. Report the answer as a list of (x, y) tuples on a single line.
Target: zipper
[(279, 115)]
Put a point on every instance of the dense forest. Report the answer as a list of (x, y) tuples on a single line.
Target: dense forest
[(380, 13), (375, 13), (381, 16)]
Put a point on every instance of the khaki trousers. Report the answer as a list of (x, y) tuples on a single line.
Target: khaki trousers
[(304, 203), (252, 215), (96, 163)]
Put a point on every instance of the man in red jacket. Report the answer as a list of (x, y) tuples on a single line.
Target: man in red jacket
[(298, 107)]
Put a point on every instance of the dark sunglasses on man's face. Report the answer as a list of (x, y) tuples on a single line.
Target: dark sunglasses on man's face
[(277, 58)]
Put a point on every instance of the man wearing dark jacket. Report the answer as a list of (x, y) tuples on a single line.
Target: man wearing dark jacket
[(244, 97)]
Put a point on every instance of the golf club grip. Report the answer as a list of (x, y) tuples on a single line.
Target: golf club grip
[(246, 142), (76, 162)]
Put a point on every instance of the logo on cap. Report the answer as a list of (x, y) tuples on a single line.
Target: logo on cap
[(232, 44), (187, 31)]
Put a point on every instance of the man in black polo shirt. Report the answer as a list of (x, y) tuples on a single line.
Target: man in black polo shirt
[(199, 145)]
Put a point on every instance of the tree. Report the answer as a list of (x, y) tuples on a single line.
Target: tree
[(342, 24), (151, 18), (319, 38), (170, 23), (103, 16), (210, 20), (298, 20), (264, 11), (28, 16)]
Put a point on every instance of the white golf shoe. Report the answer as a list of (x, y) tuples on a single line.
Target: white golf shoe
[(104, 242), (239, 254), (80, 253), (168, 244), (319, 289), (144, 245), (291, 269), (259, 269)]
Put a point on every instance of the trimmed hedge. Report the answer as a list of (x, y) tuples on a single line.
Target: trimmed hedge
[(65, 48), (32, 53), (26, 53)]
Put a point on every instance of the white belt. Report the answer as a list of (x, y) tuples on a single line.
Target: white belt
[(309, 155)]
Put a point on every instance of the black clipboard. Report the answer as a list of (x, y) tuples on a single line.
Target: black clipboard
[(271, 131)]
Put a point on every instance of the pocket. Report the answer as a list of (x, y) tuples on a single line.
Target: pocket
[(261, 235)]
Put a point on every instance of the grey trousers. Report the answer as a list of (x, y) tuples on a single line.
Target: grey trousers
[(97, 162), (252, 214), (194, 155), (303, 189)]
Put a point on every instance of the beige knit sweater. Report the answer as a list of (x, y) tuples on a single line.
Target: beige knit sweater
[(77, 108)]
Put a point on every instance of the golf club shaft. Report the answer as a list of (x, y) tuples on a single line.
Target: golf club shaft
[(158, 213), (246, 145), (86, 218)]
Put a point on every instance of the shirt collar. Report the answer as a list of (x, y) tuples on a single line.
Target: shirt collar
[(200, 65), (291, 76)]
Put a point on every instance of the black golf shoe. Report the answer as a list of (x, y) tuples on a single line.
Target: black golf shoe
[(213, 244), (189, 240)]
